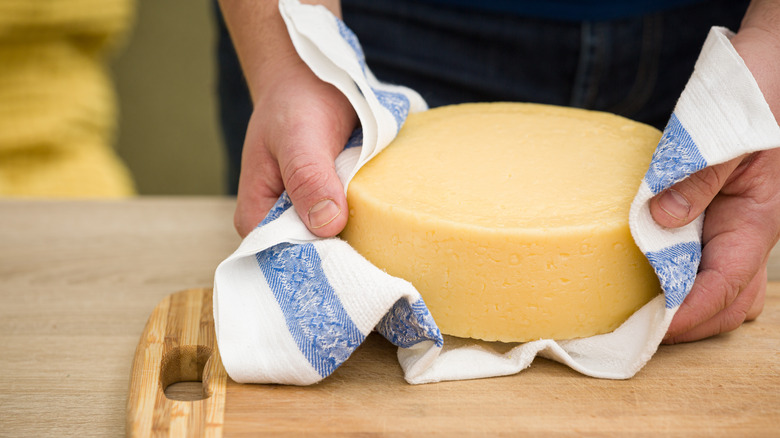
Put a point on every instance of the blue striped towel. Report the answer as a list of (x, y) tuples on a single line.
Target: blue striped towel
[(290, 307)]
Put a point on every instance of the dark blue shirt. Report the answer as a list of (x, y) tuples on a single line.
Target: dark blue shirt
[(570, 10)]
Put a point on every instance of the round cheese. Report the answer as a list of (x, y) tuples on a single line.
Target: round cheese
[(510, 219)]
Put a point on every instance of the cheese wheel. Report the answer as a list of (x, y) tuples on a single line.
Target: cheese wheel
[(510, 219)]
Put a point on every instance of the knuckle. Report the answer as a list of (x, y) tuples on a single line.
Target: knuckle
[(725, 291), (731, 284), (732, 319), (706, 182), (238, 222), (304, 176), (757, 178), (754, 312)]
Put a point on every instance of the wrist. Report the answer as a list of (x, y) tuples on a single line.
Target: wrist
[(758, 44), (260, 38)]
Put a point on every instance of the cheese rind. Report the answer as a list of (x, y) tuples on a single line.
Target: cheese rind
[(510, 219)]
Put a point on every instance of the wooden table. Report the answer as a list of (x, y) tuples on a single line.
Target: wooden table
[(78, 281)]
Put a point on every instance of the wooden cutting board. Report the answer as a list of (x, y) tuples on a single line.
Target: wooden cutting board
[(725, 386)]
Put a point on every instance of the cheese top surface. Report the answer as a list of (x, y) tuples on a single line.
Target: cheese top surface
[(511, 165), (510, 219)]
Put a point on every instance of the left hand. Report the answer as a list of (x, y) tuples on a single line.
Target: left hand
[(742, 202), (741, 198)]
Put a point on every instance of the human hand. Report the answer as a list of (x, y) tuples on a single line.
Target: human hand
[(742, 202), (299, 125), (741, 225)]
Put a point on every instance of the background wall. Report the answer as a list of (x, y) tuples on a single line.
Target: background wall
[(165, 76)]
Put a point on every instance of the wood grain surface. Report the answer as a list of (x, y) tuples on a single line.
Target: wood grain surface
[(81, 278), (178, 344), (725, 386)]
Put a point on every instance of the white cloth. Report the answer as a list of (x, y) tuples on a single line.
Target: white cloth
[(290, 308)]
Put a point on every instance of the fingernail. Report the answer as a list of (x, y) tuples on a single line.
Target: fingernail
[(674, 204), (323, 213)]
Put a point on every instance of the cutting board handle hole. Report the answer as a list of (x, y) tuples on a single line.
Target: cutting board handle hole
[(181, 373)]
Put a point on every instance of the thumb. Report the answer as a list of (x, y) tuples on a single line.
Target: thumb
[(309, 176), (685, 201)]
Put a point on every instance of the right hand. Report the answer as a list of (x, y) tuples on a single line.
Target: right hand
[(298, 127)]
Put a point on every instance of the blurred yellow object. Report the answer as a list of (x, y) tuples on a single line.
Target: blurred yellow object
[(58, 109)]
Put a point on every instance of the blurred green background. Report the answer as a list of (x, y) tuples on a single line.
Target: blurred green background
[(165, 76)]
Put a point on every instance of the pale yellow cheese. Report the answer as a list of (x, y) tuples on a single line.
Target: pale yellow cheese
[(510, 219)]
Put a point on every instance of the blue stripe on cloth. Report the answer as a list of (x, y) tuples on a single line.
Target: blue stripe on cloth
[(282, 204), (396, 103), (676, 267), (352, 39), (356, 139), (409, 324), (676, 157), (315, 317)]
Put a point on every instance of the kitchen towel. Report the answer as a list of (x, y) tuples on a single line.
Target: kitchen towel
[(290, 307)]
